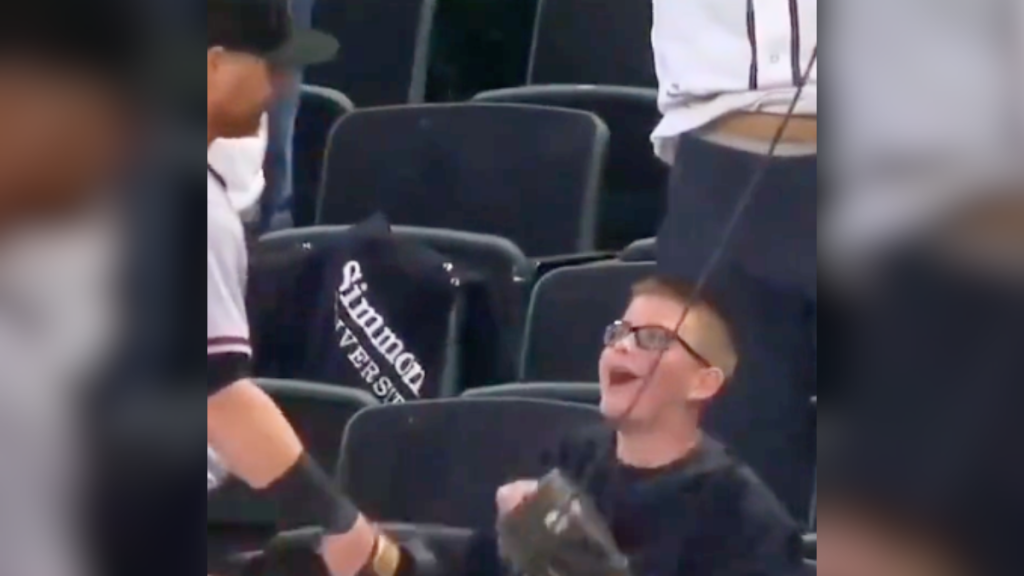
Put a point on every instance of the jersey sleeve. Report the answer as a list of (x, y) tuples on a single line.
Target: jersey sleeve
[(228, 351)]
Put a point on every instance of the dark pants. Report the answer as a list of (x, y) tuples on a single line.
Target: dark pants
[(276, 203), (764, 285), (776, 239)]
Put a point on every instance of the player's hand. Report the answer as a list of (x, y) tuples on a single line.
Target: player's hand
[(513, 494)]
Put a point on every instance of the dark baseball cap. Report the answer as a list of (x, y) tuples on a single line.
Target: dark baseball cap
[(265, 28)]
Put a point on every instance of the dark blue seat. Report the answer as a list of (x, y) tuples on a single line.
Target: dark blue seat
[(319, 109), (440, 461), (527, 173), (586, 42), (385, 49), (643, 250), (635, 180), (569, 310)]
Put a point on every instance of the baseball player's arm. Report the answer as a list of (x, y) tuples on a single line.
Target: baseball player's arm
[(243, 425), (256, 443)]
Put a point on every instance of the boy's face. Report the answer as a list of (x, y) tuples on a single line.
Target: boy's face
[(63, 134), (676, 380)]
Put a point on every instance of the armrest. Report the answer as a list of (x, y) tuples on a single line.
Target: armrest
[(546, 264), (439, 546), (449, 546), (303, 543), (811, 546)]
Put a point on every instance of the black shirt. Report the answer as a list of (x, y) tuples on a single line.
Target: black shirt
[(705, 515)]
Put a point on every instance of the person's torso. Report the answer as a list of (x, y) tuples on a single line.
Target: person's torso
[(224, 228), (713, 58), (666, 519)]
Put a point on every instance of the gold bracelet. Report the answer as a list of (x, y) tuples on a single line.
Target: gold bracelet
[(386, 557)]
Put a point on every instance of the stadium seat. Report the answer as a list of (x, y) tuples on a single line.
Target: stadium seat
[(527, 173), (569, 310), (319, 413), (644, 250), (440, 461), (319, 109), (577, 392), (586, 42), (811, 546), (635, 180), (495, 304), (385, 49)]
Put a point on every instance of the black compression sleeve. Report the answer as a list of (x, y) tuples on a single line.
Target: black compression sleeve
[(305, 497), (223, 370)]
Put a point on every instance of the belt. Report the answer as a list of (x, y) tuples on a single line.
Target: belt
[(764, 127)]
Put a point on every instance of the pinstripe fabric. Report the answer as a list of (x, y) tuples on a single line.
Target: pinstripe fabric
[(717, 57)]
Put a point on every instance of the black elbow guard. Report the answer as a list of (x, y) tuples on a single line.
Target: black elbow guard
[(305, 497)]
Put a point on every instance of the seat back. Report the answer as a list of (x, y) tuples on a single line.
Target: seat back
[(587, 393), (586, 42), (319, 109), (568, 312), (635, 180), (441, 461), (386, 49), (495, 302), (319, 414), (526, 173), (643, 250)]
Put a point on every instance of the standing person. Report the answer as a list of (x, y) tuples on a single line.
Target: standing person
[(276, 203), (728, 73), (250, 42)]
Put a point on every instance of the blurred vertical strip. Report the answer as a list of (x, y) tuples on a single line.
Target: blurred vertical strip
[(923, 240), (148, 509)]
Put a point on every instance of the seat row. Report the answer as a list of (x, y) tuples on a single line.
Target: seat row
[(430, 462), (555, 168), (540, 323), (524, 318), (387, 45)]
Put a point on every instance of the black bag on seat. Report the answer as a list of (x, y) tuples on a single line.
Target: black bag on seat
[(366, 309)]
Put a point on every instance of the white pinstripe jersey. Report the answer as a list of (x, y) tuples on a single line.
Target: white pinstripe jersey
[(227, 326), (716, 57)]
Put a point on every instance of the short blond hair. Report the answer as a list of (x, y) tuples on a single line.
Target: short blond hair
[(705, 328)]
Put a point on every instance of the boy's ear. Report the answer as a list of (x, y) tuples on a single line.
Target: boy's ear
[(708, 384)]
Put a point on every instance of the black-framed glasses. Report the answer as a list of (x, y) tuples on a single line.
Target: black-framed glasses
[(649, 338)]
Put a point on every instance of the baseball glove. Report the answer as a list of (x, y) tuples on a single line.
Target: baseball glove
[(559, 532)]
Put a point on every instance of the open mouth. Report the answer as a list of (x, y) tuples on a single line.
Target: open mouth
[(622, 376)]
